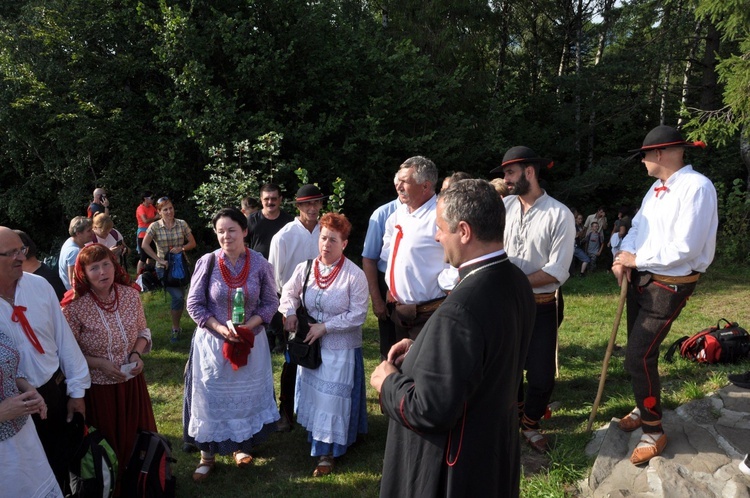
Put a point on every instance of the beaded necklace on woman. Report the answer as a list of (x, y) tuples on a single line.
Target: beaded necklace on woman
[(234, 281), (332, 271), (111, 307)]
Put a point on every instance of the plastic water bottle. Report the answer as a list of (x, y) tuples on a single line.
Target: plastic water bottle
[(238, 307)]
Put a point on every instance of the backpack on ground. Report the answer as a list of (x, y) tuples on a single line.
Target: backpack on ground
[(727, 344), (148, 280), (93, 470), (149, 470)]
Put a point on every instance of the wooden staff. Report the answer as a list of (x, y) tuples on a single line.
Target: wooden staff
[(610, 348)]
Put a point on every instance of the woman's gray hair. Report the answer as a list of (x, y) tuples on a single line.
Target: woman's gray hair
[(424, 170), (476, 202)]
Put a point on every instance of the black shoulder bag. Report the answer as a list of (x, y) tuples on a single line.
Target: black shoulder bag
[(304, 355)]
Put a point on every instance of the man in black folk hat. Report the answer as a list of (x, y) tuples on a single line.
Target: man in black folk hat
[(539, 239), (670, 244), (293, 244)]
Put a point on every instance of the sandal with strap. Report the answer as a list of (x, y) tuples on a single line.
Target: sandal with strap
[(536, 440), (648, 447), (630, 422), (324, 467), (204, 469), (242, 459)]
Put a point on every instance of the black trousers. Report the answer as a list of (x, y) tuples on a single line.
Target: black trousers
[(54, 431), (540, 361), (288, 383), (386, 327), (652, 308)]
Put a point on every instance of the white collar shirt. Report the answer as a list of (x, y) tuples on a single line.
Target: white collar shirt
[(543, 238), (289, 247), (50, 327), (420, 273), (674, 232)]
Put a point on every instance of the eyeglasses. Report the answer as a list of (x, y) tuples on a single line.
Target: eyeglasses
[(15, 252), (162, 199)]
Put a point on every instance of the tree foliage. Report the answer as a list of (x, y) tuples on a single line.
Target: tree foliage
[(133, 95)]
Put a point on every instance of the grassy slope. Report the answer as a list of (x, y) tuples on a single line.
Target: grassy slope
[(283, 466)]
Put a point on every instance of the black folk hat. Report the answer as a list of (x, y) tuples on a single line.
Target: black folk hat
[(664, 137), (521, 154), (309, 193)]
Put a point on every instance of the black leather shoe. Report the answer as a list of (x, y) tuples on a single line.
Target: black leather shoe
[(189, 448)]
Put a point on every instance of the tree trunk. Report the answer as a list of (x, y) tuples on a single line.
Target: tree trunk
[(606, 11), (667, 66), (745, 151), (686, 74), (710, 99)]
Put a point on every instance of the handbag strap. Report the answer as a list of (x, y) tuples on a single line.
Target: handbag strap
[(304, 286), (211, 262)]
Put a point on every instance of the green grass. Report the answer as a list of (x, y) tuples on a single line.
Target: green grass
[(284, 468)]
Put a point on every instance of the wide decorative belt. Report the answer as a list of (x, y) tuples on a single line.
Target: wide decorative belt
[(430, 306), (668, 279), (544, 298)]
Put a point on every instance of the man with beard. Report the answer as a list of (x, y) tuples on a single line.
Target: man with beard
[(293, 244), (539, 239), (261, 227)]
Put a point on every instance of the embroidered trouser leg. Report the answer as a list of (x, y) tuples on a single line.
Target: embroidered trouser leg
[(540, 362), (652, 308)]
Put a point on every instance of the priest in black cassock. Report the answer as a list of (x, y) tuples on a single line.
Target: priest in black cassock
[(453, 428)]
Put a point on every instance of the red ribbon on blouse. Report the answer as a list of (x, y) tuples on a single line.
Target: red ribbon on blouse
[(19, 316)]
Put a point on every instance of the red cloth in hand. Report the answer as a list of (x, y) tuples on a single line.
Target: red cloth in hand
[(237, 352)]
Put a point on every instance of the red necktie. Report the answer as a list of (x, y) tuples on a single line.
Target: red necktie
[(659, 190), (18, 316), (399, 236)]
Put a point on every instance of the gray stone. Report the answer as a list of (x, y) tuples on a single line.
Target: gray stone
[(707, 438)]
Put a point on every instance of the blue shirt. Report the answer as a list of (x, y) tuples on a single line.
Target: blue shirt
[(68, 255), (375, 231)]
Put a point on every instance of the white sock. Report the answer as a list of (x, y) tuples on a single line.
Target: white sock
[(649, 439)]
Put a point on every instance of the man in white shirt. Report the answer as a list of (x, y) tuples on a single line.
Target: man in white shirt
[(417, 274), (671, 242), (539, 239), (293, 244), (50, 357)]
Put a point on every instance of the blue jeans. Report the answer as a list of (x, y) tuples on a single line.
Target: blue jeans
[(176, 293)]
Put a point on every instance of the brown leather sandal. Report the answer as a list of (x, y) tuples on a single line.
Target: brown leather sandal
[(204, 468), (628, 423), (654, 447), (325, 466), (242, 459), (536, 440)]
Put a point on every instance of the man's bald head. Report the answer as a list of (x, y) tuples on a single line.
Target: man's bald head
[(10, 267)]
